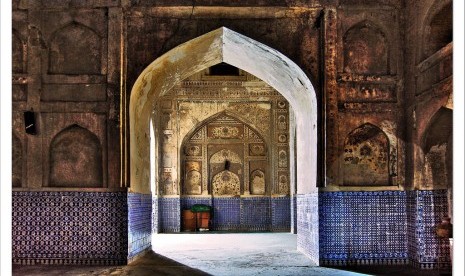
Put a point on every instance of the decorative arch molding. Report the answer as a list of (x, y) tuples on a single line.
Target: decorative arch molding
[(223, 45), (220, 144), (366, 49), (75, 49), (366, 157), (226, 113), (75, 158), (437, 28)]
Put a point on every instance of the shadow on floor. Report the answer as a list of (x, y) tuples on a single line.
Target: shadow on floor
[(148, 264)]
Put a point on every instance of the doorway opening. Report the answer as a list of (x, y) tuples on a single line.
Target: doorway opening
[(252, 58)]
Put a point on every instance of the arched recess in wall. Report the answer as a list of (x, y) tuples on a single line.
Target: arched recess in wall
[(437, 150), (75, 49), (18, 51), (224, 147), (17, 161), (366, 157), (75, 159), (437, 31), (223, 45), (366, 50)]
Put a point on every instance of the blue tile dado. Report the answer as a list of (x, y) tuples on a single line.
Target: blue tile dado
[(69, 228), (293, 214), (188, 202), (307, 226), (281, 214), (425, 211), (245, 214), (169, 210), (139, 223), (363, 228), (226, 214), (155, 215), (256, 214)]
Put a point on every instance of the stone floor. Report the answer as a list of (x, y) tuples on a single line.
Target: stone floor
[(221, 254)]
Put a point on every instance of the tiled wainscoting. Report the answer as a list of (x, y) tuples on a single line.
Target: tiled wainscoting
[(229, 214), (139, 223), (363, 228), (294, 214), (425, 211), (169, 215), (281, 214), (333, 228), (69, 228), (387, 227), (307, 225)]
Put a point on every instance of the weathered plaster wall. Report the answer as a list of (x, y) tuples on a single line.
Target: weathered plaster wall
[(428, 79)]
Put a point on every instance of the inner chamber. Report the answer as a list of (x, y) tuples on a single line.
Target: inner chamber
[(223, 140)]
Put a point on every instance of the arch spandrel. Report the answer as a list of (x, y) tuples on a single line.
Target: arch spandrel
[(223, 45)]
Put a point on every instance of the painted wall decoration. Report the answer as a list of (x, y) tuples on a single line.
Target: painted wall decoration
[(225, 155), (366, 157), (193, 180), (226, 183), (257, 182), (282, 158), (75, 159), (229, 160)]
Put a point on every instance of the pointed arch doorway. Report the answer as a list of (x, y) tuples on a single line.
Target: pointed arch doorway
[(225, 163), (267, 64)]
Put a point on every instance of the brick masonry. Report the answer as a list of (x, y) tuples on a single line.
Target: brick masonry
[(88, 228)]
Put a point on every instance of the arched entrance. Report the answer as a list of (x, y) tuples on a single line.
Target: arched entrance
[(225, 162), (278, 71)]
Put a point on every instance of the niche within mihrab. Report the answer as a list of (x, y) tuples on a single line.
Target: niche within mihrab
[(225, 157)]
